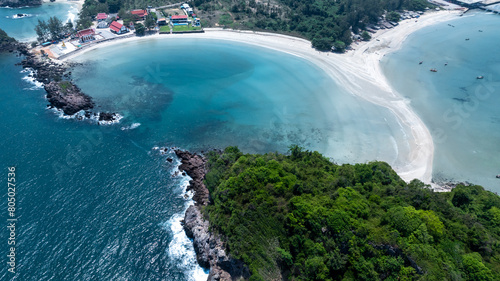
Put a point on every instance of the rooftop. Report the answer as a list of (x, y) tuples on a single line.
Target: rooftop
[(115, 26), (102, 16), (176, 17)]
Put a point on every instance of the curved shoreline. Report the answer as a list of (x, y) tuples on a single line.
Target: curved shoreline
[(358, 72)]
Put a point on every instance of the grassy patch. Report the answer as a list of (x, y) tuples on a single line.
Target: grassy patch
[(225, 19), (65, 85), (184, 28), (165, 28)]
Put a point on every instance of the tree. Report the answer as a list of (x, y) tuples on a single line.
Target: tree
[(149, 22), (393, 16), (366, 36), (55, 27), (339, 46), (322, 44), (475, 269), (140, 29), (41, 30)]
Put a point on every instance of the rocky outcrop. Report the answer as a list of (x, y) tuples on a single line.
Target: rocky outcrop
[(194, 165), (67, 97), (20, 3), (7, 44), (209, 248), (62, 93)]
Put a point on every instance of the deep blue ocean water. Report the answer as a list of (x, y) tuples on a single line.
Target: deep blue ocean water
[(461, 111)]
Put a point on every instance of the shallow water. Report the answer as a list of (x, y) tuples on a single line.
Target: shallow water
[(462, 112), (23, 29), (203, 93)]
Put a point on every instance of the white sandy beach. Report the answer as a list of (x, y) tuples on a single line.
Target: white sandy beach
[(357, 71)]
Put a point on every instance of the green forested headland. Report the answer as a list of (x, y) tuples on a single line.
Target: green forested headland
[(326, 23), (302, 217)]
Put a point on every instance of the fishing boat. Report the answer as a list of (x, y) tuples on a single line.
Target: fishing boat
[(498, 176), (434, 70), (421, 62), (480, 77)]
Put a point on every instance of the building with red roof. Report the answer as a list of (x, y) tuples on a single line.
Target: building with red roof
[(117, 28), (86, 35), (101, 17), (140, 13), (179, 19)]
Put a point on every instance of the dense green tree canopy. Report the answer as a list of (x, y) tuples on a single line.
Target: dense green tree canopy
[(325, 22), (302, 217)]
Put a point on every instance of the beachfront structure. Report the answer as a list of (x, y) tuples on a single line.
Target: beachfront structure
[(140, 13), (118, 28), (101, 17), (196, 22), (189, 11), (162, 21), (179, 20), (86, 35), (102, 24), (185, 6)]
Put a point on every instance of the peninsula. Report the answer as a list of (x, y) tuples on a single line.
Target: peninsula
[(299, 216)]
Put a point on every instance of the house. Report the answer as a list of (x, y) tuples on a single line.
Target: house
[(185, 6), (131, 26), (102, 24), (162, 21), (196, 22), (118, 28), (189, 11), (179, 20), (101, 17), (86, 35), (140, 13)]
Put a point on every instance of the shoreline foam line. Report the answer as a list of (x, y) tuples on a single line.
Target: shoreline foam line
[(358, 72)]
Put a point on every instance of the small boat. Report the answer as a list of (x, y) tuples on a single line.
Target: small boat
[(498, 176), (480, 77), (480, 30), (421, 62), (467, 39), (434, 70)]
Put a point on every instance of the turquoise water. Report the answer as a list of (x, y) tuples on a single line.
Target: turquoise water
[(204, 93), (462, 112), (23, 29), (99, 203)]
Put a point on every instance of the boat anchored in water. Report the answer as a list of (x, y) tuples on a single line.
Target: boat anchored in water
[(433, 70), (480, 77), (498, 176)]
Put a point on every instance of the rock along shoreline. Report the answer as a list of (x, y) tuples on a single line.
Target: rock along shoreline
[(210, 249), (62, 94)]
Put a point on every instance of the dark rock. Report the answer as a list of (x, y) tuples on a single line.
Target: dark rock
[(106, 116), (194, 165), (209, 248), (68, 97), (170, 160)]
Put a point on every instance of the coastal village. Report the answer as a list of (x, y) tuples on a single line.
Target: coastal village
[(175, 18), (107, 27)]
